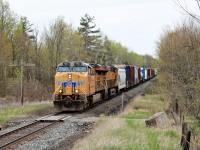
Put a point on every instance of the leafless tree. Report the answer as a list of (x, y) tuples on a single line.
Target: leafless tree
[(190, 7), (179, 55)]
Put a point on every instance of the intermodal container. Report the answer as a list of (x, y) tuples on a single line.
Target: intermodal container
[(128, 76)]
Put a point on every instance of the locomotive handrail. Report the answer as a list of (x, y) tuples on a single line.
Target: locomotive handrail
[(83, 93), (57, 90), (82, 90), (105, 86)]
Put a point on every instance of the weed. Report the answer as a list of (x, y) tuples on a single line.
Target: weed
[(153, 140), (137, 115), (171, 134), (24, 111)]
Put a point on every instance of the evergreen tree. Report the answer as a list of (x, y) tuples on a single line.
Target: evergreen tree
[(91, 37)]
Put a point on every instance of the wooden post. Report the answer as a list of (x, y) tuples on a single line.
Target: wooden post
[(4, 79), (22, 70), (185, 139), (122, 101)]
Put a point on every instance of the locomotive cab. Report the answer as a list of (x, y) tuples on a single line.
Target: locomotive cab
[(71, 88)]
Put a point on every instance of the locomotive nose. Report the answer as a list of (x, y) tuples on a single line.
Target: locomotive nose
[(69, 83)]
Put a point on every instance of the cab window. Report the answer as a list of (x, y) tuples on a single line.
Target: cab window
[(79, 69), (64, 69), (89, 70)]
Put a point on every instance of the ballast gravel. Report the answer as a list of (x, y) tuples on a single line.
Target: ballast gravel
[(51, 139), (15, 125)]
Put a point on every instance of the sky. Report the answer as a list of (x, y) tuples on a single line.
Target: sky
[(136, 24)]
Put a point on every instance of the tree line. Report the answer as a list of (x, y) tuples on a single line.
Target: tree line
[(179, 65), (58, 42), (179, 72)]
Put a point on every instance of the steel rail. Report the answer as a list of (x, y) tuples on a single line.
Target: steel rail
[(25, 136)]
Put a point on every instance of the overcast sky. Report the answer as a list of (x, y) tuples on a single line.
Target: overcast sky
[(136, 24)]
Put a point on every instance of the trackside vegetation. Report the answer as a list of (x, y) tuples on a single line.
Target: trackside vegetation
[(28, 110), (128, 130)]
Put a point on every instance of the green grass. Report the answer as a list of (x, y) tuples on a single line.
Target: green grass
[(127, 131), (24, 111), (133, 135), (194, 124), (172, 134), (136, 136), (138, 115), (146, 107)]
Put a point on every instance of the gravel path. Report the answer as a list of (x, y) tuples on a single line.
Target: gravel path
[(80, 125)]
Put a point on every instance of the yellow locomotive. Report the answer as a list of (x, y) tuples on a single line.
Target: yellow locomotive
[(79, 84)]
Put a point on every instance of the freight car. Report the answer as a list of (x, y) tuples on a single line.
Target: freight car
[(79, 84)]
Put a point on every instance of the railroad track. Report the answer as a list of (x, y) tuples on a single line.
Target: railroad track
[(12, 139)]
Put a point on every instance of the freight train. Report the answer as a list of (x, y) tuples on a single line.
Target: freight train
[(79, 84)]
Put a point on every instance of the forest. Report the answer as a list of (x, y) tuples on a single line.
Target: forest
[(32, 55)]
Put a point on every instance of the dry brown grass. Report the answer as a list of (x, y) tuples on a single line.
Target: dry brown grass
[(101, 136), (128, 130)]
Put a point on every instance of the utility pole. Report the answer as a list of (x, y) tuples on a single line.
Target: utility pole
[(22, 74), (22, 65), (122, 101)]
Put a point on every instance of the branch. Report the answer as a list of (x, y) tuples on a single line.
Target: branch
[(189, 13), (198, 4)]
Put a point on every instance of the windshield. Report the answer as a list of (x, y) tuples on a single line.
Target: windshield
[(64, 69), (79, 69)]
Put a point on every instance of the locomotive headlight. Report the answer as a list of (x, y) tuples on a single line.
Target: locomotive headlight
[(60, 91), (69, 76), (76, 91)]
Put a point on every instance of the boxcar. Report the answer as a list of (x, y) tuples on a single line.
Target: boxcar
[(139, 74), (132, 76), (136, 75), (128, 76), (145, 74), (121, 78)]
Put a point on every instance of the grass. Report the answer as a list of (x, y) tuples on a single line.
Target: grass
[(129, 134), (32, 109), (144, 106), (127, 131), (195, 130)]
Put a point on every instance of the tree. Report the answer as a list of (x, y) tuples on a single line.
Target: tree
[(37, 48), (91, 37), (61, 43), (6, 25), (179, 64), (57, 40), (77, 49), (188, 6)]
